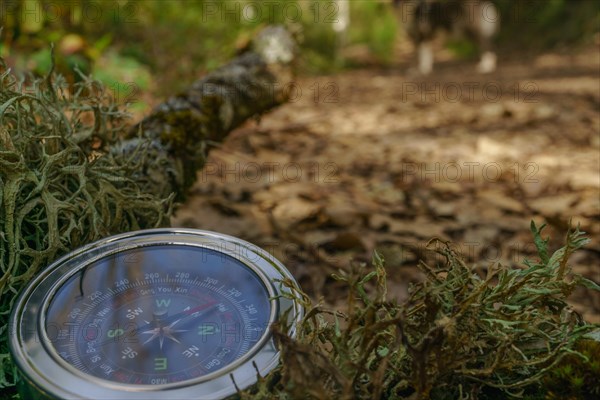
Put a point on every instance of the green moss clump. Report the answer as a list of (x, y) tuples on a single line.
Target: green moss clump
[(577, 376), (60, 188)]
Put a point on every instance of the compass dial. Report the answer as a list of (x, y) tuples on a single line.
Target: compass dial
[(191, 312), (156, 314)]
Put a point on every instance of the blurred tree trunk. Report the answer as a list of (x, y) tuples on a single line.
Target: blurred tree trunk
[(171, 144)]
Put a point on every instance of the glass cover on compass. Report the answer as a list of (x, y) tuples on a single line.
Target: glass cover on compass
[(158, 315)]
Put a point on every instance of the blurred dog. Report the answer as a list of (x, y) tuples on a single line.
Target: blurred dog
[(478, 20)]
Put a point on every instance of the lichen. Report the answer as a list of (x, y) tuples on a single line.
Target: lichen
[(460, 335), (60, 188)]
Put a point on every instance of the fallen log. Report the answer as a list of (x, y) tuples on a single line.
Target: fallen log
[(180, 131)]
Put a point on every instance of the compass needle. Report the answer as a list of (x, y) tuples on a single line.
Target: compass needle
[(151, 338), (157, 313)]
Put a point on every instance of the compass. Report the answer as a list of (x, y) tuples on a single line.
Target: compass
[(153, 314)]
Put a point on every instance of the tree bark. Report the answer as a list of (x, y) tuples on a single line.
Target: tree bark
[(172, 143)]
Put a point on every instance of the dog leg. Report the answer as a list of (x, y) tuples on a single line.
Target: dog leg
[(342, 22), (487, 64), (340, 26), (425, 58), (488, 24)]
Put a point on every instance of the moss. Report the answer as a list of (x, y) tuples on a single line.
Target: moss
[(577, 376)]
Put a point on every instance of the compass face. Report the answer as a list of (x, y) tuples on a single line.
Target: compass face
[(155, 314), (158, 315)]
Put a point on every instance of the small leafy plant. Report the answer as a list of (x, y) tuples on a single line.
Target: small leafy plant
[(458, 336)]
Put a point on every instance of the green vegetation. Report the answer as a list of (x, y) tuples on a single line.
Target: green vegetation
[(576, 377), (459, 335), (175, 41), (543, 24), (124, 43)]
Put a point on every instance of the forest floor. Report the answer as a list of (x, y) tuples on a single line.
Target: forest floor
[(376, 159)]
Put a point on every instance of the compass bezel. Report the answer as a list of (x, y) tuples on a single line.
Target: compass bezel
[(53, 377)]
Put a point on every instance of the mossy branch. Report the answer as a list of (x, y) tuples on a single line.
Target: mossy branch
[(180, 131)]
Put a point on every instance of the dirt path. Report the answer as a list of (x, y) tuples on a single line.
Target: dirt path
[(374, 159)]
